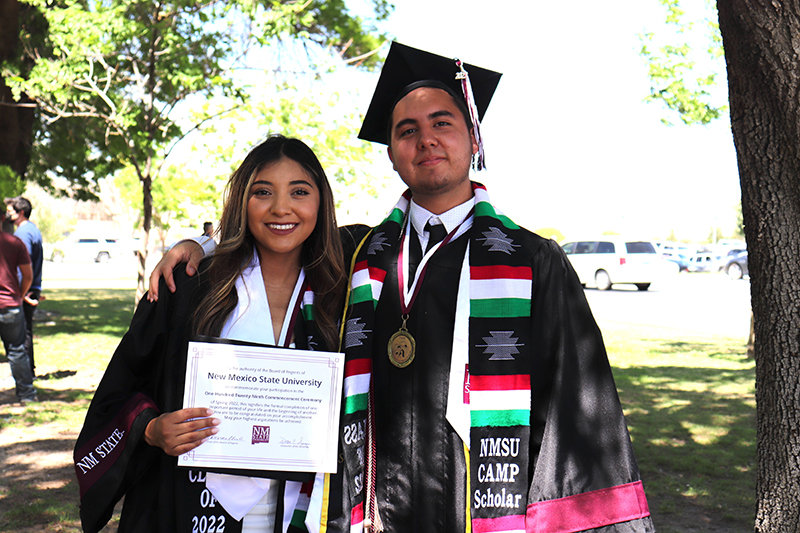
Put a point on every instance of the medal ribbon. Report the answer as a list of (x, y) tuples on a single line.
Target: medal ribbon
[(409, 294)]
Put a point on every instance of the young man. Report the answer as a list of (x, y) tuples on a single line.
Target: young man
[(19, 211), (13, 257), (505, 416), (478, 394)]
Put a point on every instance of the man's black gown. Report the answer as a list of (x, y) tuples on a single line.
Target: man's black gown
[(578, 441)]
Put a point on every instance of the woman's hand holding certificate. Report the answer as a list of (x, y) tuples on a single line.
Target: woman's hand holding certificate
[(180, 431)]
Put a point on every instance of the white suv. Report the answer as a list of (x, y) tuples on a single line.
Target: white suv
[(607, 261), (87, 248)]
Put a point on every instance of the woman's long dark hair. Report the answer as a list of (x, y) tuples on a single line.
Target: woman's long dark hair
[(322, 255)]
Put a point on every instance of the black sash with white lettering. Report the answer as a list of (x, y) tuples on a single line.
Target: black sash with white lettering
[(98, 454)]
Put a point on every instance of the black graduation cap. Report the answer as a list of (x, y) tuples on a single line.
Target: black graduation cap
[(404, 66)]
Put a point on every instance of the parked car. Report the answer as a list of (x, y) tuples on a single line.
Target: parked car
[(704, 262), (605, 262), (676, 253), (736, 267), (87, 248), (725, 247)]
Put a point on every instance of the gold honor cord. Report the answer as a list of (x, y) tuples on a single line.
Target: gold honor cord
[(350, 286)]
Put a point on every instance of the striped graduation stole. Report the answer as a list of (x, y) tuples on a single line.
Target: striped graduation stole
[(499, 372), (307, 310), (307, 305), (298, 521), (499, 366), (366, 285)]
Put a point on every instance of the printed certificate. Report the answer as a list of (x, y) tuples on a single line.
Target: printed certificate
[(278, 407)]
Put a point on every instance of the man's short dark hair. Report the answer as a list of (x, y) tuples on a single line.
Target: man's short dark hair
[(22, 205)]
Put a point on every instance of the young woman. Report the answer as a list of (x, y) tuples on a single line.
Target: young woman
[(278, 240)]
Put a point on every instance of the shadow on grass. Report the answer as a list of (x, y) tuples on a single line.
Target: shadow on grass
[(46, 394), (58, 374), (38, 489), (694, 434), (693, 426), (71, 311), (730, 352), (45, 495), (64, 407)]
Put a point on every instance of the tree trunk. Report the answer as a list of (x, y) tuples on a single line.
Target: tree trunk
[(16, 118), (762, 41), (147, 219)]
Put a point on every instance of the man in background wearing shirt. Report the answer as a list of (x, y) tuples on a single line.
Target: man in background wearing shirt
[(13, 256), (19, 212)]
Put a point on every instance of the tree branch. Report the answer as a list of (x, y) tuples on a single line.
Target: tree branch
[(196, 127)]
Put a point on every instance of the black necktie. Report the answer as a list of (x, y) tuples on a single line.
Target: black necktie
[(436, 234)]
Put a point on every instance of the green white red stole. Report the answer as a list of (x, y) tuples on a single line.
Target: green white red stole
[(496, 320)]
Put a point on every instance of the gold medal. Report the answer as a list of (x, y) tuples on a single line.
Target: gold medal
[(402, 346)]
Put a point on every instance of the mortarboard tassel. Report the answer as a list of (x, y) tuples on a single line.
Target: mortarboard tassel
[(466, 88)]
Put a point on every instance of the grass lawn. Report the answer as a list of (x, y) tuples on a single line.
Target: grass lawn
[(76, 332), (690, 408)]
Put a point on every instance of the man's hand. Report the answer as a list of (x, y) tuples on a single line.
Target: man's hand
[(180, 431), (189, 251), (27, 278)]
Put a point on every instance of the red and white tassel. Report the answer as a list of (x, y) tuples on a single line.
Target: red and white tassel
[(466, 89)]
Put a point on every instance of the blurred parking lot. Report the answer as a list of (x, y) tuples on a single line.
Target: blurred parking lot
[(115, 274), (685, 304)]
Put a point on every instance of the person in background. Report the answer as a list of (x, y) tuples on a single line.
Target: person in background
[(277, 278), (19, 211), (478, 392), (206, 240), (7, 225), (14, 258)]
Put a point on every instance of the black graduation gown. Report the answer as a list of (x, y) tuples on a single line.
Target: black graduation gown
[(144, 378), (577, 444), (420, 460)]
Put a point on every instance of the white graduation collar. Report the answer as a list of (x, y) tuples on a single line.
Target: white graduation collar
[(451, 218), (251, 319)]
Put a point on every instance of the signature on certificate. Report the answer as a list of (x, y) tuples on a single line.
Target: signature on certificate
[(298, 442)]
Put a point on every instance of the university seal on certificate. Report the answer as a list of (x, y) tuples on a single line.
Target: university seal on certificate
[(278, 407)]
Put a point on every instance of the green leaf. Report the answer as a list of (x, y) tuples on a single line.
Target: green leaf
[(685, 63)]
